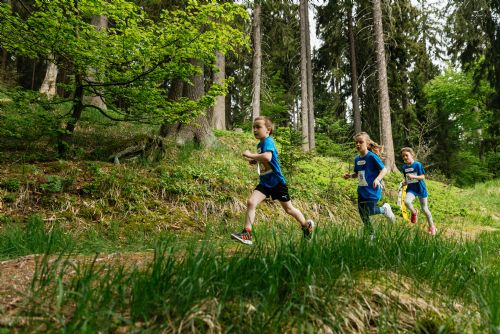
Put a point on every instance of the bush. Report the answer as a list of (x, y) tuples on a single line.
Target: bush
[(467, 169), (11, 184), (55, 184), (28, 117)]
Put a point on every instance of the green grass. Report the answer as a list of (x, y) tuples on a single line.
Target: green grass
[(282, 283), (185, 206)]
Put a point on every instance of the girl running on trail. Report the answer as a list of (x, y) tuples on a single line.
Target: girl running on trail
[(272, 182), (414, 176), (370, 170)]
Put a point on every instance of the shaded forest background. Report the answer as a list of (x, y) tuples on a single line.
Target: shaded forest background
[(168, 64)]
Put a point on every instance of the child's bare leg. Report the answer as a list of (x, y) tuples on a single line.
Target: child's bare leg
[(255, 198), (294, 212)]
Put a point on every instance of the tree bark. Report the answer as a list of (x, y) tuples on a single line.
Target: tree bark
[(4, 62), (383, 91), (64, 137), (356, 113), (310, 96), (218, 117), (303, 77), (174, 93), (49, 83), (257, 61), (227, 109), (198, 130)]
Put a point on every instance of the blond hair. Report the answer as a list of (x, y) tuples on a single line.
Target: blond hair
[(409, 150), (372, 146), (267, 122)]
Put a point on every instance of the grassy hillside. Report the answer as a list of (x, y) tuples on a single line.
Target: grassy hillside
[(182, 210), (197, 190)]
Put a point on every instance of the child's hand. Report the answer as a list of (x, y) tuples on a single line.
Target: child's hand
[(347, 176), (376, 183), (404, 182), (247, 154)]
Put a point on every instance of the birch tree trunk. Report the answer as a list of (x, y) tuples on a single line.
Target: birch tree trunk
[(49, 83), (356, 113), (310, 96), (218, 115), (257, 61), (383, 91), (303, 77)]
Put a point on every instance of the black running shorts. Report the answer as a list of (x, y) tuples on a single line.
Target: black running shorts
[(280, 192)]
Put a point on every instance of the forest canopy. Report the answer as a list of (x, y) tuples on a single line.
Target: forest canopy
[(174, 63)]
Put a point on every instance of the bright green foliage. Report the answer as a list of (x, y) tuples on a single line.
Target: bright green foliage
[(26, 116), (463, 120), (453, 93), (131, 62), (474, 32)]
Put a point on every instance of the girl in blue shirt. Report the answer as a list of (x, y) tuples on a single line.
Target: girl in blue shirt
[(369, 170), (414, 175), (272, 182)]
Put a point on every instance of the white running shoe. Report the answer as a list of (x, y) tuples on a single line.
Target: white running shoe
[(388, 213)]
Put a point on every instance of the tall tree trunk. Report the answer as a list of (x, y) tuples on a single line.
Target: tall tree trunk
[(4, 62), (100, 22), (218, 115), (257, 61), (303, 77), (356, 113), (310, 96), (174, 93), (198, 130), (227, 109), (49, 83), (383, 91), (64, 138)]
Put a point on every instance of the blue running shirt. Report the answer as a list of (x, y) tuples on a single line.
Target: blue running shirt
[(368, 168), (270, 172), (417, 187)]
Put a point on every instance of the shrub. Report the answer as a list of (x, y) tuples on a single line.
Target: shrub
[(11, 184), (55, 184), (467, 169)]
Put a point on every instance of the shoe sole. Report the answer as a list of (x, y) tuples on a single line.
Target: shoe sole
[(243, 241), (312, 229)]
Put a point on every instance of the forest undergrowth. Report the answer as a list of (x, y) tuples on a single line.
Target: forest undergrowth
[(177, 214)]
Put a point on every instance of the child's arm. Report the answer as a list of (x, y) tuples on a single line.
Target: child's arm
[(262, 157), (350, 176), (416, 177), (380, 176)]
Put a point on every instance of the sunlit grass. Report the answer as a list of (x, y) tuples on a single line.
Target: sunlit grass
[(284, 282)]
